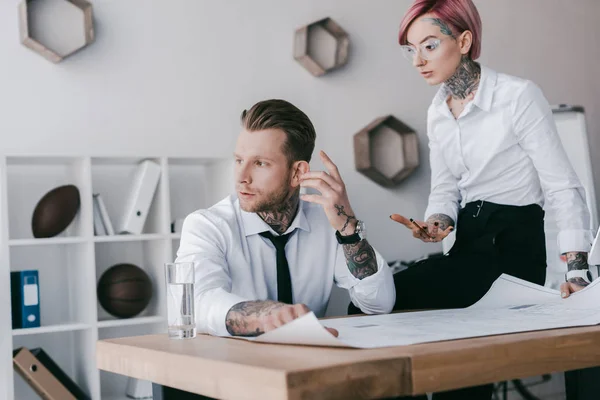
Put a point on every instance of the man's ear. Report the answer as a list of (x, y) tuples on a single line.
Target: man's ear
[(299, 168)]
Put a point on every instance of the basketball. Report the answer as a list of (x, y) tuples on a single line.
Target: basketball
[(55, 211), (124, 290)]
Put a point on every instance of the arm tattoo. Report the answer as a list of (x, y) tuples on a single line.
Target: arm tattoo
[(361, 259), (465, 79), (340, 210), (443, 26), (443, 220), (577, 260), (280, 216), (240, 319)]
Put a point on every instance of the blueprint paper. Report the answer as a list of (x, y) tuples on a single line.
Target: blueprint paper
[(511, 305)]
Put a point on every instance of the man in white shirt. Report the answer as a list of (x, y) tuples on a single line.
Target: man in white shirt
[(269, 255)]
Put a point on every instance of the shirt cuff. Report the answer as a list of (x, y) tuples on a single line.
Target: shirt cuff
[(450, 211), (574, 240), (221, 302), (376, 293), (373, 282)]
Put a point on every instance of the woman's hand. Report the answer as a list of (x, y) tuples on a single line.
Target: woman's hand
[(568, 288), (576, 260), (434, 230)]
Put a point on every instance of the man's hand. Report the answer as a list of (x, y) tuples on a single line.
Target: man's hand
[(435, 229), (575, 261), (333, 197), (253, 318)]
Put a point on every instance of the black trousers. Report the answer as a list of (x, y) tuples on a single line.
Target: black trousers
[(491, 239)]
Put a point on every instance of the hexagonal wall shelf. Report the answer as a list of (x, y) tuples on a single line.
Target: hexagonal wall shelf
[(43, 27), (386, 151), (321, 46)]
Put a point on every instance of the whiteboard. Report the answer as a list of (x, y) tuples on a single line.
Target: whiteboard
[(572, 130), (570, 121)]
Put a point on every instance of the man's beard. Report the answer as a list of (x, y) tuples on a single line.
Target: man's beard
[(276, 201)]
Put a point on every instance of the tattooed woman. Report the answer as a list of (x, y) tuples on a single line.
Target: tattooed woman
[(494, 154)]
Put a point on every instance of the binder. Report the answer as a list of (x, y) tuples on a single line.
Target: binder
[(140, 197), (39, 377), (25, 295), (104, 215), (99, 229), (59, 374), (177, 225)]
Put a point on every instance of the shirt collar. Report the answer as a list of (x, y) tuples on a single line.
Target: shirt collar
[(484, 95), (253, 224)]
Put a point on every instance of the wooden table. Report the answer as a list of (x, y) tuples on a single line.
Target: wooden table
[(227, 368)]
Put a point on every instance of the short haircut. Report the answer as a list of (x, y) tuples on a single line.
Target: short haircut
[(460, 15), (280, 114)]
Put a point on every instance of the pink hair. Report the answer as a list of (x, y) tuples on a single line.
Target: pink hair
[(460, 15)]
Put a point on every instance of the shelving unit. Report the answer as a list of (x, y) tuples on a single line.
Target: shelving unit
[(70, 264)]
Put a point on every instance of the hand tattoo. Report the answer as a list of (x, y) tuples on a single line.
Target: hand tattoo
[(575, 261), (361, 259), (240, 318), (443, 220), (340, 210), (280, 217), (443, 26), (465, 79)]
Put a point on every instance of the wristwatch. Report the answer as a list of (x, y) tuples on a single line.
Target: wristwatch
[(584, 274), (359, 234)]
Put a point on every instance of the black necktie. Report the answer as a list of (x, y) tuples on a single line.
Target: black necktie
[(284, 281)]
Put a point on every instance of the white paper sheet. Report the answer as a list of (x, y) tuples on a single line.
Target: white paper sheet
[(511, 305)]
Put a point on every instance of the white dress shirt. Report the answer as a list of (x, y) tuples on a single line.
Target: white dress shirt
[(234, 263), (504, 148)]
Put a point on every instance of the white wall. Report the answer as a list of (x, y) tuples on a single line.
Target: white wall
[(171, 77)]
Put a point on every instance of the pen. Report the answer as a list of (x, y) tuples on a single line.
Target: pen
[(423, 230)]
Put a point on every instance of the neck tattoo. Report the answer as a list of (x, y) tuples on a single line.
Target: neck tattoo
[(281, 218), (465, 79)]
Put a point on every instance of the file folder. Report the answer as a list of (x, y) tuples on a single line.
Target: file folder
[(39, 377), (140, 197), (25, 294)]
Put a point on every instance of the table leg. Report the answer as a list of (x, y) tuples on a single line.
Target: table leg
[(160, 392), (583, 384)]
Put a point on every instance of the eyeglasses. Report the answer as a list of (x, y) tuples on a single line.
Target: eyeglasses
[(428, 50)]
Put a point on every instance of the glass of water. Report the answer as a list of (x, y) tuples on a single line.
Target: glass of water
[(180, 300)]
